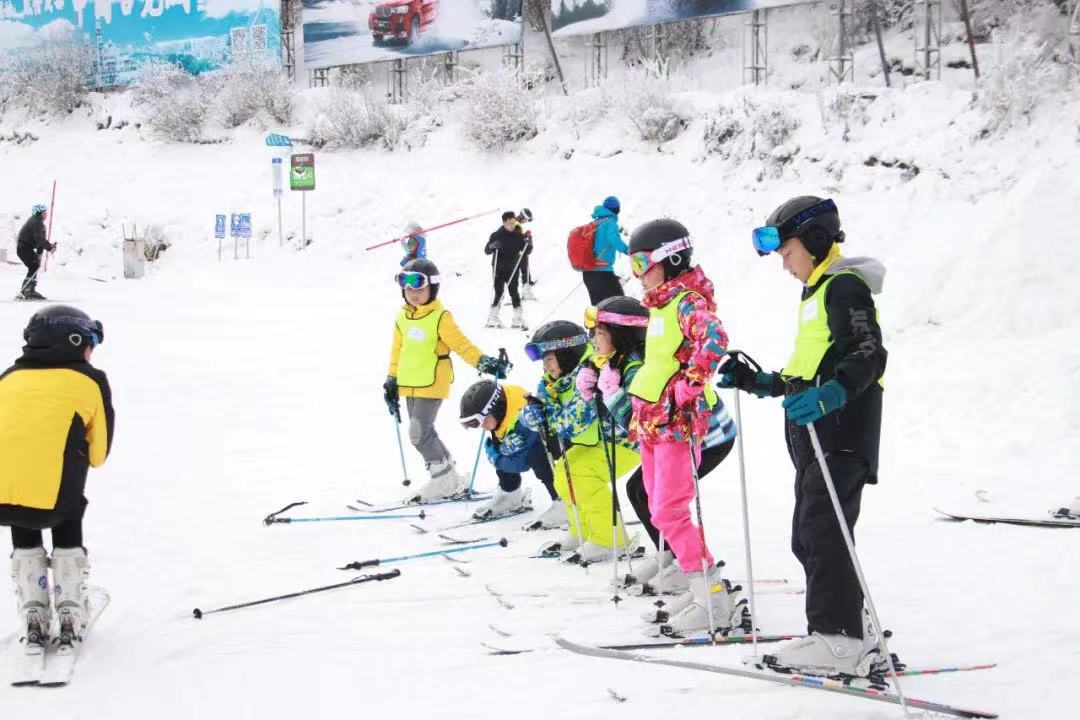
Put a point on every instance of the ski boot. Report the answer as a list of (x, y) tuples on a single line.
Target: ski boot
[(551, 519), (71, 569), (444, 484), (494, 321), (504, 503), (836, 656), (518, 320), (30, 574), (566, 541), (706, 591)]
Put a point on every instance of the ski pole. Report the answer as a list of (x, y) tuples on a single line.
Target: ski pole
[(360, 565), (701, 528), (355, 581), (48, 230), (340, 518), (401, 449), (559, 304), (500, 374), (745, 516), (425, 231), (616, 510), (570, 487), (883, 643)]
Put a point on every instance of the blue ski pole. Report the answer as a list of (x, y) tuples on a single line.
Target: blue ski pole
[(401, 450), (383, 561), (339, 518), (500, 374)]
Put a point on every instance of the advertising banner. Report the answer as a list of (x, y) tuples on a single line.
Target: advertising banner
[(302, 176), (122, 35), (585, 17), (345, 32)]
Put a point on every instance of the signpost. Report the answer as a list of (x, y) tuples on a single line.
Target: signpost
[(276, 166), (219, 233), (302, 179)]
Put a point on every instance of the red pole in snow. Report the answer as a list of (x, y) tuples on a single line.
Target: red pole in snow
[(48, 230), (427, 230)]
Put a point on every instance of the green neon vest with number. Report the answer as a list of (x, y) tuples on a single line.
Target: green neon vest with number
[(591, 435), (419, 356), (663, 338), (813, 339)]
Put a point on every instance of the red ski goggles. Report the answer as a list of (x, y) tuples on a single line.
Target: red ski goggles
[(537, 350), (594, 316), (474, 421), (642, 262), (415, 280)]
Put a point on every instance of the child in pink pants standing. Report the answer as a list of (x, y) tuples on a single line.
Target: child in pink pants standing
[(672, 404)]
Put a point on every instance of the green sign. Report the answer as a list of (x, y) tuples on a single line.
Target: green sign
[(302, 175)]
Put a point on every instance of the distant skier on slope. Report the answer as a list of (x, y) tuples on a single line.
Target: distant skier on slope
[(833, 380), (527, 281), (56, 421), (507, 247), (420, 369), (32, 242), (414, 244)]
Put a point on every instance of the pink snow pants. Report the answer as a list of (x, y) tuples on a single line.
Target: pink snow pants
[(665, 468)]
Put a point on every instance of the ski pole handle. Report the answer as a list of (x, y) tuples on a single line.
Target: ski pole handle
[(360, 565)]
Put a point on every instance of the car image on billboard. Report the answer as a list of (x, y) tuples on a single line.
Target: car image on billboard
[(344, 32), (584, 17)]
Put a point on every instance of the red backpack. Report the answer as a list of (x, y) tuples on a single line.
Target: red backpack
[(579, 247)]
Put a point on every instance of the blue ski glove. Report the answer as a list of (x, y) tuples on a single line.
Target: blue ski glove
[(490, 366), (532, 416), (491, 451), (815, 403)]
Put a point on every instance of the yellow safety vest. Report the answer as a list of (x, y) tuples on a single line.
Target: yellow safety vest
[(813, 339), (419, 355), (663, 338)]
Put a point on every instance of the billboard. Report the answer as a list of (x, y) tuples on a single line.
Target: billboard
[(344, 32), (584, 17), (122, 35)]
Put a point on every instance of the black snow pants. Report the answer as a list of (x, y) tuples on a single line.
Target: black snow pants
[(601, 285)]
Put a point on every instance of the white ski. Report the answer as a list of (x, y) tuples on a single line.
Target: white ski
[(60, 666)]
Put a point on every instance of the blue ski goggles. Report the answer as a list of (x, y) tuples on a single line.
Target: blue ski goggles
[(768, 239), (537, 350), (415, 280)]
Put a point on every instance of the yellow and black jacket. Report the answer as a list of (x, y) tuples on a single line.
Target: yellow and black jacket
[(56, 420)]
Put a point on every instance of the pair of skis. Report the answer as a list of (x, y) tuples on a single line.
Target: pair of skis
[(53, 665)]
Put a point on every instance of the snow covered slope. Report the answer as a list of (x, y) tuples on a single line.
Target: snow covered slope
[(242, 386)]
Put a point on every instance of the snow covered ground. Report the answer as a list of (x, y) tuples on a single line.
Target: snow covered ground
[(242, 386)]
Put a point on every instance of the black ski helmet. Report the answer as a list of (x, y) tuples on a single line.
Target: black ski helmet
[(423, 265), (815, 221), (567, 357), (624, 337), (62, 327), (657, 233), (484, 397)]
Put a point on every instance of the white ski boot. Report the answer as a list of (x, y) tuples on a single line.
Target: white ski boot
[(527, 293), (518, 320), (494, 321), (673, 605), (694, 619), (71, 569), (554, 517), (444, 484), (589, 553), (672, 582), (566, 541), (30, 574), (826, 655), (504, 503)]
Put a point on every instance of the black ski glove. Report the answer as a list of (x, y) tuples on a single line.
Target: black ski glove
[(742, 371), (490, 366), (390, 395)]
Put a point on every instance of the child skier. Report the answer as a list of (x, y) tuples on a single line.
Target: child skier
[(56, 421), (414, 244), (617, 328), (525, 216), (32, 242), (512, 448), (420, 369), (672, 401), (582, 478), (832, 380)]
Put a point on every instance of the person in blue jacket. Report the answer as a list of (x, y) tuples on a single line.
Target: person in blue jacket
[(414, 244), (602, 283)]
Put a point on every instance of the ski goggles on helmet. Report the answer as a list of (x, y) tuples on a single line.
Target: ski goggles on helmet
[(768, 239), (415, 280), (594, 316), (643, 261), (82, 331), (474, 421), (537, 350)]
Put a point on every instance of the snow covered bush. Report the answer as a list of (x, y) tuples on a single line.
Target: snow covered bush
[(352, 118), (499, 111), (647, 101), (1023, 69), (583, 109), (250, 88), (49, 79), (752, 130), (174, 104)]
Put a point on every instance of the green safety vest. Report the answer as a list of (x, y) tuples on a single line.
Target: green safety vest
[(663, 338), (591, 435), (419, 356), (813, 339)]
